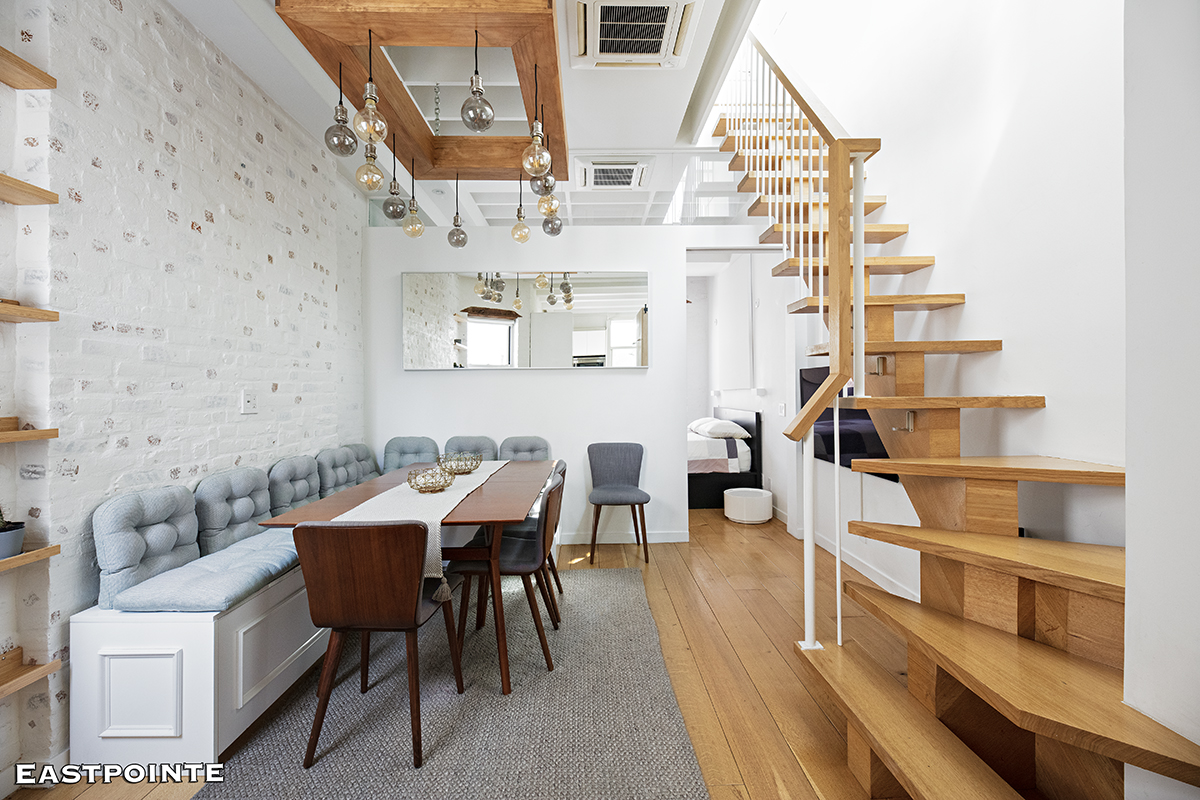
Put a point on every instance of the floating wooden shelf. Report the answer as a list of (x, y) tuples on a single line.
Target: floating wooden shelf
[(1037, 687), (874, 233), (1093, 569), (935, 347), (1041, 469), (1001, 401), (9, 431), (15, 675), (41, 554), (20, 193), (20, 74), (920, 752), (901, 302), (14, 312)]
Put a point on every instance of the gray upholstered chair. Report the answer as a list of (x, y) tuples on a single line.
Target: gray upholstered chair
[(484, 445), (404, 450), (616, 471), (524, 448), (367, 468), (527, 529), (337, 469), (229, 506), (293, 482)]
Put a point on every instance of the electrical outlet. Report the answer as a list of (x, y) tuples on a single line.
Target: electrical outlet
[(783, 409), (249, 404)]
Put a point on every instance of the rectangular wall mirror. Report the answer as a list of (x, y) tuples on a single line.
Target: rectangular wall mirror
[(449, 325)]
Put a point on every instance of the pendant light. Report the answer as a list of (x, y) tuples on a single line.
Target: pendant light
[(565, 287), (541, 281), (413, 226), (369, 176), (498, 283), (552, 226), (393, 206), (339, 138), (457, 237), (551, 298), (479, 284), (477, 113), (520, 231), (369, 124), (547, 202), (542, 185), (536, 158), (517, 300)]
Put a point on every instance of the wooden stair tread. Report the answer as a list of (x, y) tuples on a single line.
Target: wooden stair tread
[(757, 140), (873, 233), (20, 193), (875, 265), (922, 754), (800, 209), (902, 302), (1042, 469), (937, 347), (1097, 570), (1038, 687), (11, 312), (997, 401), (749, 182), (762, 159), (722, 128), (20, 74)]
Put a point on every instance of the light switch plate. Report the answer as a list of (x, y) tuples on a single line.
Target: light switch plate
[(249, 402)]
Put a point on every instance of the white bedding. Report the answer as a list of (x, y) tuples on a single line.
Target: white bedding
[(713, 455)]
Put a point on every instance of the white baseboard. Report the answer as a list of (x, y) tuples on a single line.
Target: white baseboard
[(8, 776), (585, 537), (885, 581), (780, 514)]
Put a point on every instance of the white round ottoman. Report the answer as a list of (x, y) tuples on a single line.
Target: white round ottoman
[(750, 506)]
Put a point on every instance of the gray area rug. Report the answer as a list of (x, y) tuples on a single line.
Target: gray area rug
[(604, 724)]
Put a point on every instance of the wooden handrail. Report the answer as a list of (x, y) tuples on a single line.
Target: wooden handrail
[(822, 118)]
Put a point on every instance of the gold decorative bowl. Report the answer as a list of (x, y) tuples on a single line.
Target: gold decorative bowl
[(428, 481), (460, 463)]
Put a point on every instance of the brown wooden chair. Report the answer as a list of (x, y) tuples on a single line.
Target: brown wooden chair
[(526, 557), (370, 577)]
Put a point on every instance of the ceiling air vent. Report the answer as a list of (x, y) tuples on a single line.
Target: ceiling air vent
[(611, 174), (631, 34)]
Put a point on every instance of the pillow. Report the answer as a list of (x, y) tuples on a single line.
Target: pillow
[(719, 429), (694, 425)]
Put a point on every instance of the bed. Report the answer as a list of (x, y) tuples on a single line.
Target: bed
[(707, 489)]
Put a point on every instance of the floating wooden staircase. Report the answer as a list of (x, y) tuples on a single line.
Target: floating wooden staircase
[(1015, 650)]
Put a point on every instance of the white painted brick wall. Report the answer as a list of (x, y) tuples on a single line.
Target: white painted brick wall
[(204, 243), (430, 300)]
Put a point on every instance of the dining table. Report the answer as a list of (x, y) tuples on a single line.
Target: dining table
[(505, 498)]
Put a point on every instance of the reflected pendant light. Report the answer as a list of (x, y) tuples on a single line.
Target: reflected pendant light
[(541, 281), (457, 237), (339, 138), (536, 158), (479, 284), (477, 113), (369, 176), (520, 231), (565, 287), (551, 298), (369, 124), (413, 227), (517, 300), (552, 226), (393, 206)]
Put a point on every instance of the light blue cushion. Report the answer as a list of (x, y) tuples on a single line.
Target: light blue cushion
[(217, 581), (618, 495), (293, 483), (404, 450), (141, 534), (338, 469), (524, 448), (366, 462), (484, 445), (229, 506)]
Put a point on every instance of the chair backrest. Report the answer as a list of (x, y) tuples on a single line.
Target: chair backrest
[(229, 506), (524, 448), (404, 450), (484, 445), (548, 512), (367, 468), (365, 576), (141, 534), (615, 463), (293, 482), (338, 469)]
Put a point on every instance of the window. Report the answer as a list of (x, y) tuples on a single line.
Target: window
[(489, 342), (623, 342)]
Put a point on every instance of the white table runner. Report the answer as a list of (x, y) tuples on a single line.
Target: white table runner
[(405, 502)]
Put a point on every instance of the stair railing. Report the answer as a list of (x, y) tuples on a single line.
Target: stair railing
[(801, 161)]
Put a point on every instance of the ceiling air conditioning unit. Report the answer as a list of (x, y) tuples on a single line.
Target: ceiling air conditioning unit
[(611, 173), (631, 34)]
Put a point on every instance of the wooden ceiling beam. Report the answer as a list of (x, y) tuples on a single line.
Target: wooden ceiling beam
[(540, 47)]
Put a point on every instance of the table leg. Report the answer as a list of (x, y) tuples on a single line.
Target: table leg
[(498, 610)]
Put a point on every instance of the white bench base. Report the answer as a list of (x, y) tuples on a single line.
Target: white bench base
[(167, 687)]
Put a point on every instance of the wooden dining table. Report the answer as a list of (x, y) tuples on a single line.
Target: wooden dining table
[(505, 498)]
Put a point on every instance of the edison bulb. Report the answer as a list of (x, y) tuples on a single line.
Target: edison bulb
[(499, 285), (413, 227), (340, 140), (369, 124), (369, 176), (497, 297), (541, 281), (477, 113), (542, 185), (551, 298), (569, 305), (457, 237), (568, 297), (565, 287), (536, 158), (479, 284), (517, 303), (520, 232), (552, 226), (548, 205), (393, 206)]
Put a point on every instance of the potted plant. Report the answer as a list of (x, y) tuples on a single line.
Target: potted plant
[(12, 536)]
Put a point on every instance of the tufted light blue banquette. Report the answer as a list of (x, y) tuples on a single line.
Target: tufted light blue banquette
[(229, 506), (367, 468), (337, 468), (484, 445), (141, 534), (404, 450), (293, 483), (524, 448)]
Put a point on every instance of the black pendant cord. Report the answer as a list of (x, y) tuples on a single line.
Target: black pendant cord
[(476, 52), (413, 174), (339, 83), (393, 155), (520, 193), (370, 48), (456, 194), (535, 97)]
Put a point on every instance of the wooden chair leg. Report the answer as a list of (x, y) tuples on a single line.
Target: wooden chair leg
[(481, 611), (463, 609), (554, 572), (645, 533), (333, 654), (537, 621), (595, 527), (455, 653), (414, 695), (364, 660), (553, 600), (633, 512), (537, 576)]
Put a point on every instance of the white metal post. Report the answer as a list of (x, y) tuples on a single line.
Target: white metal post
[(860, 283), (810, 546), (837, 509)]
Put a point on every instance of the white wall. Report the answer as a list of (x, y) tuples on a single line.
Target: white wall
[(699, 400), (1162, 630), (570, 408), (1002, 148)]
